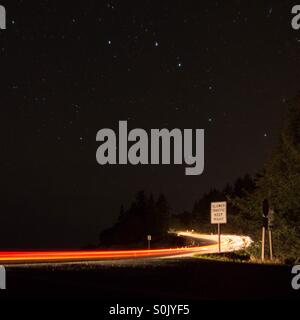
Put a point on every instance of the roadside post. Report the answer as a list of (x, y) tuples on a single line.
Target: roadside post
[(149, 238), (270, 226), (265, 223), (268, 215), (2, 278), (218, 215)]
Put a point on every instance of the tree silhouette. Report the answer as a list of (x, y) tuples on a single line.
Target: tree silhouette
[(144, 216), (121, 214), (280, 184)]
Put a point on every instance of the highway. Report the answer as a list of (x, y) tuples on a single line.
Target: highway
[(228, 243)]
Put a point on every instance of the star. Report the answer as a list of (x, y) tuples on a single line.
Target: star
[(111, 6), (270, 12)]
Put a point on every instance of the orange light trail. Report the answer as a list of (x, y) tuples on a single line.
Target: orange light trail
[(229, 243), (60, 256)]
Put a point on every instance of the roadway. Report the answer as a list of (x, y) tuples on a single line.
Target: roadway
[(229, 243)]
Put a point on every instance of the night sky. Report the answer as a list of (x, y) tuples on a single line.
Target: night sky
[(69, 69)]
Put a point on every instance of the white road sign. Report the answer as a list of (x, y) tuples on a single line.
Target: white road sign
[(218, 211)]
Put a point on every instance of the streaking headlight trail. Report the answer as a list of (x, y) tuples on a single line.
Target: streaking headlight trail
[(229, 243)]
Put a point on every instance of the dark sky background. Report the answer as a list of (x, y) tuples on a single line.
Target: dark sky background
[(69, 69)]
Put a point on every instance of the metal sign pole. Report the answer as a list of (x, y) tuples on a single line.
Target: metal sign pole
[(219, 236), (263, 244), (266, 210), (271, 244), (270, 225)]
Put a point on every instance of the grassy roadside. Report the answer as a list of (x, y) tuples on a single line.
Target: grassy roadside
[(242, 256)]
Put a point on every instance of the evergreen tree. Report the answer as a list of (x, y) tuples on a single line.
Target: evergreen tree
[(121, 214), (162, 215), (280, 184)]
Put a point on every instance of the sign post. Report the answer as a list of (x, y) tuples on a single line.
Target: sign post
[(271, 217), (218, 215), (263, 243), (219, 236), (2, 278), (149, 238), (266, 209), (268, 216)]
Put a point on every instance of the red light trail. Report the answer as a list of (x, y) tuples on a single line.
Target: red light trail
[(59, 256), (229, 243)]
